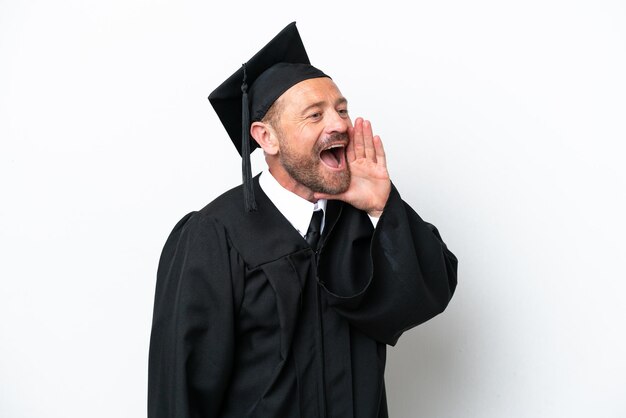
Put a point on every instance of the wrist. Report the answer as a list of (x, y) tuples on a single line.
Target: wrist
[(377, 209)]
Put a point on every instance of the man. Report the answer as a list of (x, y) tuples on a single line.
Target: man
[(279, 297)]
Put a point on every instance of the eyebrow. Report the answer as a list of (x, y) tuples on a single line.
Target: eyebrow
[(339, 101)]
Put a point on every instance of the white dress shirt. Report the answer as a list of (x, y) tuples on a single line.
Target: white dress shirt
[(297, 210)]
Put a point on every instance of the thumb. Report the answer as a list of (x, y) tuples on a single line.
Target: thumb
[(329, 196)]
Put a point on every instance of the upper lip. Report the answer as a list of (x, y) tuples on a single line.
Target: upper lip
[(335, 145)]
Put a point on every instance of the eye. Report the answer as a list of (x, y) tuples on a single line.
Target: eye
[(315, 115), (343, 113)]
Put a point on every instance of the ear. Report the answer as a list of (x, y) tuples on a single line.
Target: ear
[(265, 137)]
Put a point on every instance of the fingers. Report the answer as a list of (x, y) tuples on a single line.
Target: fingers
[(362, 143), (368, 141), (357, 140), (381, 159), (350, 155)]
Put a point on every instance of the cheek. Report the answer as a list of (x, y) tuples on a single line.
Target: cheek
[(306, 141), (311, 135), (303, 136)]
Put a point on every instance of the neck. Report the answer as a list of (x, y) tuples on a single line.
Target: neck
[(285, 180)]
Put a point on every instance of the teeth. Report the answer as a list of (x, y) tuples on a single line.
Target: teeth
[(335, 146)]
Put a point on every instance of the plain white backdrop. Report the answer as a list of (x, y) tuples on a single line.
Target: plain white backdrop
[(504, 125)]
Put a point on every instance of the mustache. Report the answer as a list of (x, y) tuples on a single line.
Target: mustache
[(332, 138)]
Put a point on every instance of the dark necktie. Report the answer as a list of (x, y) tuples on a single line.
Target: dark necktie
[(315, 229)]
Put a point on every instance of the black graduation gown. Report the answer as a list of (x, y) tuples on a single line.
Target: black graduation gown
[(250, 322)]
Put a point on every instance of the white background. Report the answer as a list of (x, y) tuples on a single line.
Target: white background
[(504, 123)]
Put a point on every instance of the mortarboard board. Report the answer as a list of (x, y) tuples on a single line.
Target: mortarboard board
[(279, 65)]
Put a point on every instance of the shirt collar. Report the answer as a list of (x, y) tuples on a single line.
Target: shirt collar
[(297, 210)]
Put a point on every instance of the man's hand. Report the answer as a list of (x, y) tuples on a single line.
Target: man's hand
[(369, 185)]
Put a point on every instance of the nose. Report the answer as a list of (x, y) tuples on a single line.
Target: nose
[(337, 123)]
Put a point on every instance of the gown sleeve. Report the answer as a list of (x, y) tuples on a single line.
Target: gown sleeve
[(192, 337), (408, 277)]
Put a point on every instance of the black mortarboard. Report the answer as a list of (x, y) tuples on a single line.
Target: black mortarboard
[(247, 95)]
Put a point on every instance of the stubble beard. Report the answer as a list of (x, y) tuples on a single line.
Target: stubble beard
[(308, 169)]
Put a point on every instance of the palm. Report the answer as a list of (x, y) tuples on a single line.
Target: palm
[(370, 184)]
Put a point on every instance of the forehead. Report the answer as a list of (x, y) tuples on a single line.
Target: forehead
[(313, 90)]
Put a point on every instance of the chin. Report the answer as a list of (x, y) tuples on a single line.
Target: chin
[(315, 175), (335, 183)]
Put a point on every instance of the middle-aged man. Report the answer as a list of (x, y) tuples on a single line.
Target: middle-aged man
[(278, 298)]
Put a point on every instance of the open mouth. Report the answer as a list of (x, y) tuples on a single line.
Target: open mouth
[(334, 156)]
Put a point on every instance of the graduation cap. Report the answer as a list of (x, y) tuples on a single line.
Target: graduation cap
[(247, 95)]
